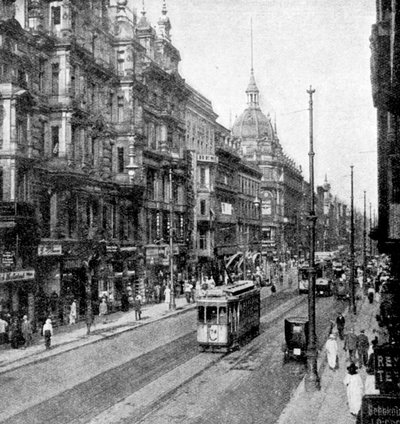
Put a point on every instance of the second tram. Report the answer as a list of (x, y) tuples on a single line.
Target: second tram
[(227, 316)]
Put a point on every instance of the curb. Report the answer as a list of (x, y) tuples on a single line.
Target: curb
[(110, 333), (118, 330)]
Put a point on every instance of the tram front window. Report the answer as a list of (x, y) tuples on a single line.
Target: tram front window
[(200, 313), (211, 314)]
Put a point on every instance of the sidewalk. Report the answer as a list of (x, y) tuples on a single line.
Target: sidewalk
[(72, 337), (329, 405), (68, 338)]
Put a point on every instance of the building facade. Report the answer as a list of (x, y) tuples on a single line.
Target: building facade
[(93, 163), (385, 79), (281, 190), (200, 144)]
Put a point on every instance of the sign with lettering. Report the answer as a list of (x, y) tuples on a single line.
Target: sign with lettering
[(207, 158), (6, 277), (387, 369), (49, 249), (380, 409), (7, 259)]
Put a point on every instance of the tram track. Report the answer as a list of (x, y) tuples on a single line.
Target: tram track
[(247, 351), (254, 375)]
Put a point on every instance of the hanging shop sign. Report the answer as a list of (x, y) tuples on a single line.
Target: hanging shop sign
[(380, 409), (47, 249), (387, 368), (24, 275), (7, 259)]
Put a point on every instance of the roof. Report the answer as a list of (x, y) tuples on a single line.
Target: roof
[(252, 124)]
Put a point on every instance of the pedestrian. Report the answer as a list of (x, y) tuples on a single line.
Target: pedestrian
[(3, 331), (124, 302), (157, 293), (167, 294), (362, 348), (13, 333), (371, 348), (350, 344), (138, 307), (273, 288), (331, 348), (340, 323), (103, 310), (193, 293), (26, 328), (355, 388), (72, 313), (47, 333), (371, 293), (187, 289)]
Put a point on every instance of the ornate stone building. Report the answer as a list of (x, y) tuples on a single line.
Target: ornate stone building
[(200, 143), (92, 126), (281, 189)]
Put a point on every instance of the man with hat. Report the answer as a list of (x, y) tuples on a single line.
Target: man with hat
[(350, 344), (362, 348)]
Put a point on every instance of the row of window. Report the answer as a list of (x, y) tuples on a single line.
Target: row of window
[(248, 186)]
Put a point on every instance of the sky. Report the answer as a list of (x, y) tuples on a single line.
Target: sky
[(297, 43)]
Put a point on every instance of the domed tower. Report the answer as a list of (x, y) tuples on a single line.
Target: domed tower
[(252, 128)]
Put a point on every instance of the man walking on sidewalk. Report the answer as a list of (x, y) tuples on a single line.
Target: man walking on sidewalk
[(340, 323), (350, 344), (362, 348)]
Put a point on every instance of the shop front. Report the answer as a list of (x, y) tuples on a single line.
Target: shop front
[(17, 293)]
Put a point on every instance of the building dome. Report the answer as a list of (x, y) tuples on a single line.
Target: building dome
[(252, 124)]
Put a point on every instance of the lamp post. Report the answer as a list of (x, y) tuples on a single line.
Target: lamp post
[(312, 379), (352, 285), (365, 242), (172, 304), (173, 163)]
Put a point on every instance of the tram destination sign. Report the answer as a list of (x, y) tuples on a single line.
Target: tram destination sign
[(387, 369), (380, 409)]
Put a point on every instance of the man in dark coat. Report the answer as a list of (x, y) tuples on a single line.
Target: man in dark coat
[(350, 344), (340, 323), (362, 348)]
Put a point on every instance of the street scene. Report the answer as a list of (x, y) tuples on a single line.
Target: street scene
[(199, 217)]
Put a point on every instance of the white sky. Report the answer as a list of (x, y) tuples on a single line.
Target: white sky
[(297, 43)]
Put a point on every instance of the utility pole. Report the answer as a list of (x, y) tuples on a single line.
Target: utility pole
[(370, 228), (352, 285), (312, 379), (172, 304), (365, 242)]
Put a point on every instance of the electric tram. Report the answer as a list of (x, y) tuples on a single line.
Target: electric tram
[(227, 316)]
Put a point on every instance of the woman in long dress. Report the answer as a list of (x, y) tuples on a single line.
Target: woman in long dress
[(355, 389), (167, 294), (331, 348)]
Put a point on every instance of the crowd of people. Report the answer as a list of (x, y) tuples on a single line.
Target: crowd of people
[(358, 347)]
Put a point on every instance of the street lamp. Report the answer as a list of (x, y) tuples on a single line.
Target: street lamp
[(352, 285), (312, 379), (173, 163)]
